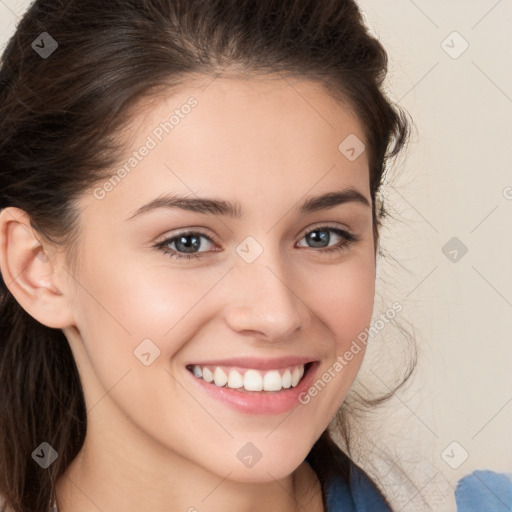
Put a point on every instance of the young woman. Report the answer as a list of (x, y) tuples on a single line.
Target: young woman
[(189, 234)]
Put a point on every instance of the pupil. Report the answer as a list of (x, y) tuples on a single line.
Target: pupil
[(194, 244), (324, 237)]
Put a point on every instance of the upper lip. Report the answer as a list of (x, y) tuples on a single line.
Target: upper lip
[(257, 362)]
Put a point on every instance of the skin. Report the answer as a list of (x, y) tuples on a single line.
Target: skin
[(152, 440)]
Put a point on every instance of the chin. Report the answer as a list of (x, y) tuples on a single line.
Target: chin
[(264, 473), (267, 464)]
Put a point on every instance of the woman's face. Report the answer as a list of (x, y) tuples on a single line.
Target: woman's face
[(260, 294)]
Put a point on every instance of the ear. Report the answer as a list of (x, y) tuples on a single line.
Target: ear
[(31, 272)]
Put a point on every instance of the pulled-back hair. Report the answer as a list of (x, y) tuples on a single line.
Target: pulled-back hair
[(59, 117)]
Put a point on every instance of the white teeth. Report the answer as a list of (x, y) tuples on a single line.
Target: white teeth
[(272, 381), (295, 377), (251, 380), (207, 375), (287, 379), (236, 380), (219, 376)]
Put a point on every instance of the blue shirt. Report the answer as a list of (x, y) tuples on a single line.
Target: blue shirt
[(345, 486), (484, 490)]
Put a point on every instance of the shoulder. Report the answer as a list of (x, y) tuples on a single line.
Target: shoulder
[(345, 485), (484, 490), (367, 496)]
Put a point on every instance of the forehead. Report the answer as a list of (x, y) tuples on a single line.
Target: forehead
[(243, 139)]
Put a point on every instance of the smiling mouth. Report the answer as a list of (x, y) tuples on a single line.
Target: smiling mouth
[(249, 379)]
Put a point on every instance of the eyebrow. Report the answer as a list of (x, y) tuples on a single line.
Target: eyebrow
[(206, 205)]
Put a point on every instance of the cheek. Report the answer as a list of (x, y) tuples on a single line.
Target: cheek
[(342, 296), (126, 304)]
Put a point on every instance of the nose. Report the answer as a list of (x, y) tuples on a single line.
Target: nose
[(262, 300)]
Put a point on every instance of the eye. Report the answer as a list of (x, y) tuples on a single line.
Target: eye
[(187, 241), (187, 244), (321, 235)]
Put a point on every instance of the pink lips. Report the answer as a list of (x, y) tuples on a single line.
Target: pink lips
[(258, 402)]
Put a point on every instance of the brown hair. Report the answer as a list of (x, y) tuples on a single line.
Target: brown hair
[(59, 115)]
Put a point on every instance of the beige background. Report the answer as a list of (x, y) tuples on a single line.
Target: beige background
[(455, 181)]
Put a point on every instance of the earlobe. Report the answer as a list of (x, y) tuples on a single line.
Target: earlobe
[(28, 271)]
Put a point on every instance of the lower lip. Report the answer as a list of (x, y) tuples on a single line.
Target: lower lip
[(259, 402)]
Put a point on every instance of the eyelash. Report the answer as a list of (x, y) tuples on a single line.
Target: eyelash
[(347, 240)]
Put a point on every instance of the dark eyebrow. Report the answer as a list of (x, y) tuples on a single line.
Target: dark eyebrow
[(221, 207), (331, 199)]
